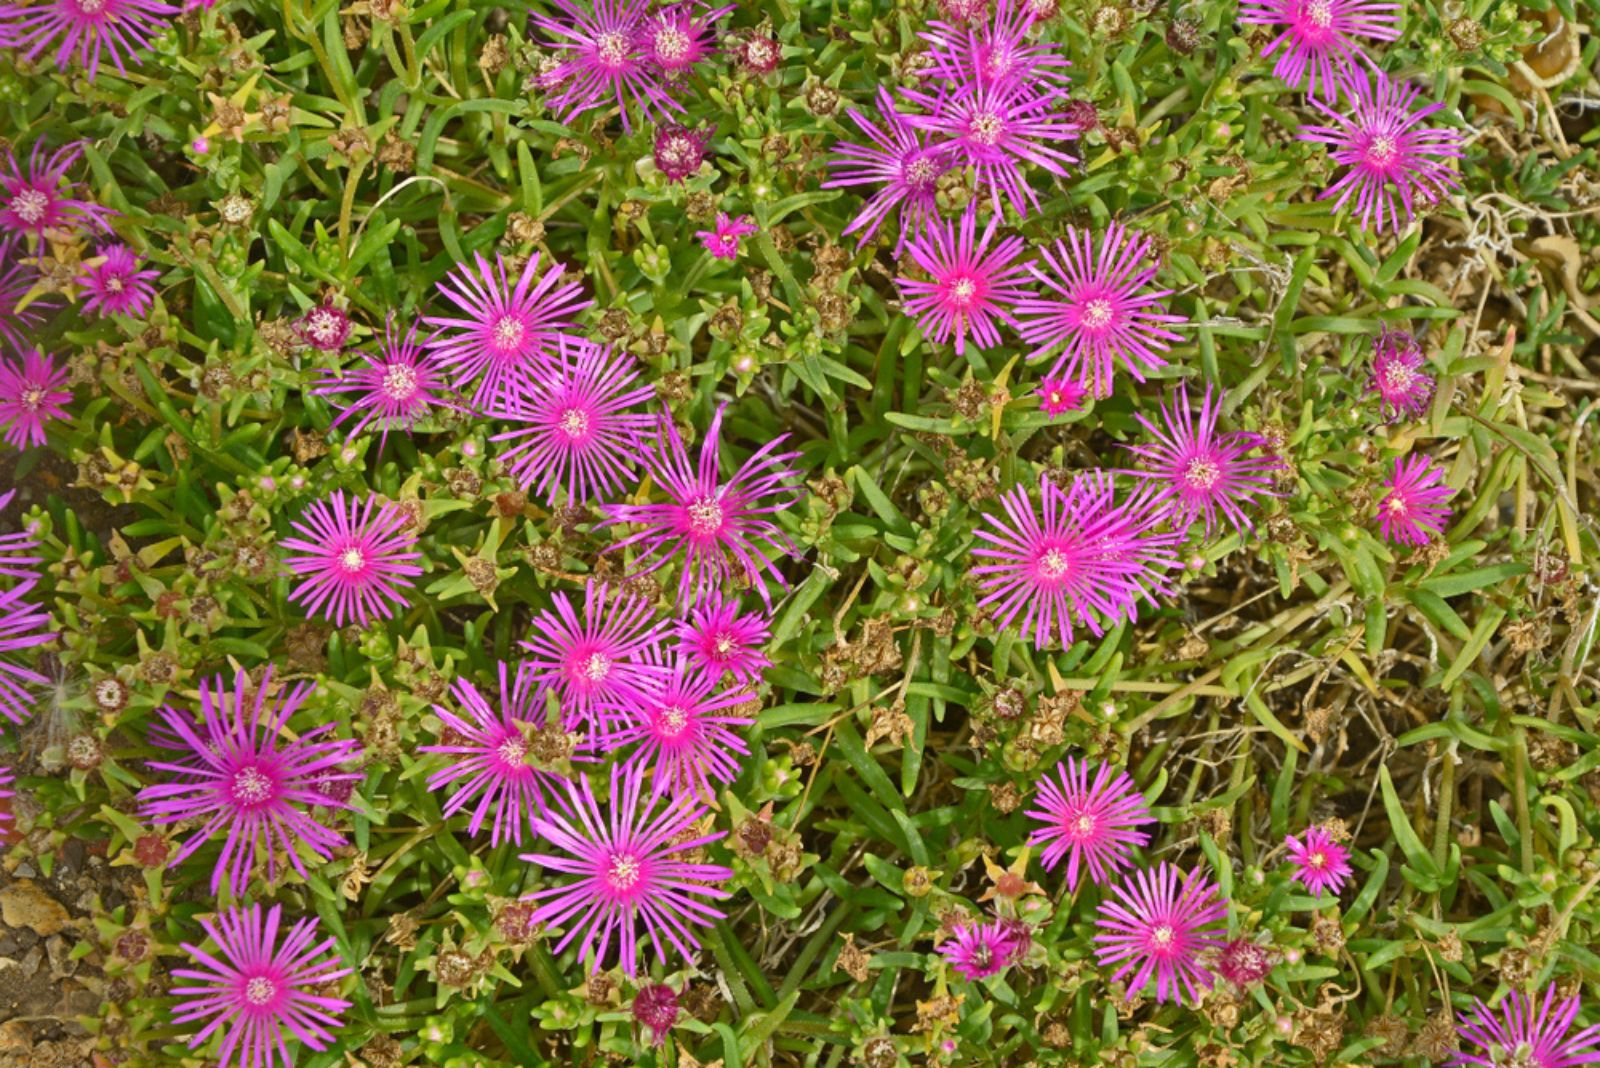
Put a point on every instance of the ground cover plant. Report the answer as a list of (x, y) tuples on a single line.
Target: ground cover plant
[(997, 532)]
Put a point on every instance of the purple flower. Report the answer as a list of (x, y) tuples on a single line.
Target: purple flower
[(354, 560), (508, 329), (971, 286), (114, 284), (1413, 507), (1096, 306), (602, 48), (1399, 377), (31, 395), (392, 389), (722, 526), (1198, 470), (23, 625), (243, 775), (993, 53), (678, 36), (600, 664), (896, 159), (686, 733), (324, 327), (1522, 1031), (1092, 822), (1081, 559), (1390, 154), (262, 982), (656, 1007), (978, 950), (679, 151), (39, 199), (723, 242), (630, 881), (489, 742), (1319, 862), (717, 639), (1058, 395), (1318, 37), (18, 323), (1158, 922), (574, 431), (996, 130), (87, 28)]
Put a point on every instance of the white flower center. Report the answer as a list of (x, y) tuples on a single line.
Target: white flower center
[(32, 398), (352, 560), (260, 991), (30, 206), (673, 719), (1098, 313), (508, 333), (1053, 565), (705, 516), (512, 751), (1162, 936), (962, 292), (250, 787), (1398, 377), (1396, 505), (114, 284), (612, 49), (596, 668), (1319, 13), (574, 423), (399, 381), (920, 173), (324, 326), (1201, 474), (1382, 150), (1319, 859), (723, 644), (1084, 825), (671, 44), (623, 871), (986, 128)]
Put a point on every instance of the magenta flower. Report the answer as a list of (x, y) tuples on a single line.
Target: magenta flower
[(113, 283), (40, 198), (1092, 822), (604, 63), (723, 527), (1399, 375), (262, 982), (1058, 395), (676, 37), (686, 732), (355, 560), (32, 394), (994, 53), (971, 286), (599, 665), (244, 776), (391, 389), (717, 639), (630, 882), (1413, 508), (1522, 1031), (978, 949), (723, 242), (86, 29), (1319, 862), (758, 53), (508, 329), (1081, 559), (23, 625), (1318, 37), (324, 326), (1391, 155), (1096, 306), (656, 1007), (489, 742), (1157, 923), (997, 130), (895, 159), (1244, 962), (573, 429), (18, 323), (1199, 471), (679, 151)]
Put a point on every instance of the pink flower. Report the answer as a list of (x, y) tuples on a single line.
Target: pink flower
[(597, 666), (113, 284), (724, 527), (1080, 559), (325, 327), (1318, 37), (392, 389), (39, 199), (1092, 822), (261, 982), (994, 52), (355, 560), (489, 742), (86, 29), (1319, 862), (723, 242), (1399, 375), (1391, 155), (978, 949), (679, 151), (604, 63), (895, 159), (686, 733), (1522, 1031), (1096, 306), (508, 330), (1413, 508), (971, 286), (717, 639), (573, 429), (242, 775), (630, 880), (1157, 923), (676, 37), (1199, 471), (31, 395), (1058, 395)]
